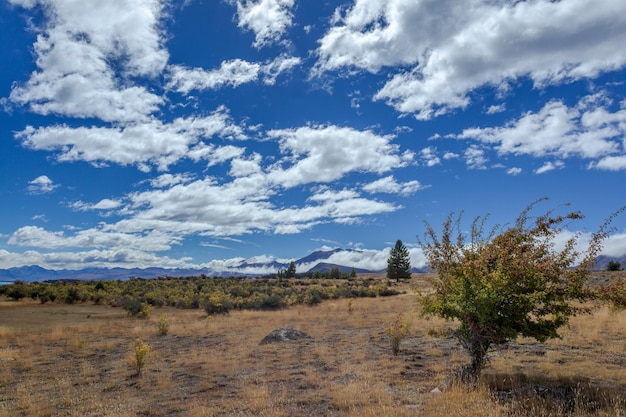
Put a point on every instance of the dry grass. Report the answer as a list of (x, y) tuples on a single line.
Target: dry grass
[(58, 360)]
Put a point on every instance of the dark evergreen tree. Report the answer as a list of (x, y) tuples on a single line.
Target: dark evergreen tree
[(291, 270), (399, 262), (614, 266)]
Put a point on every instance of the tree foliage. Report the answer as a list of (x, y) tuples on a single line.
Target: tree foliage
[(613, 266), (399, 262), (507, 282)]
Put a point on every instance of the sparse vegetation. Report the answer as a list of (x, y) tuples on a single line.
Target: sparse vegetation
[(397, 330), (79, 359), (216, 295), (142, 349), (163, 325)]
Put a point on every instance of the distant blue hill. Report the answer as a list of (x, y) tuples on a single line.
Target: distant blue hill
[(34, 273)]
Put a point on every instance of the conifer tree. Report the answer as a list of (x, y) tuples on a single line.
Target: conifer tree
[(399, 262)]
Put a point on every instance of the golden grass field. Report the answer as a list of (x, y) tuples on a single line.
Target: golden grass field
[(78, 360)]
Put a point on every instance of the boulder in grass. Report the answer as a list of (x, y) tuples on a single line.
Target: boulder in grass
[(284, 335)]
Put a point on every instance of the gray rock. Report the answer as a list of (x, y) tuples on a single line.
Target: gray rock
[(284, 335)]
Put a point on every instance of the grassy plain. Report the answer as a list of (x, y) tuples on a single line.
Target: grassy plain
[(78, 360)]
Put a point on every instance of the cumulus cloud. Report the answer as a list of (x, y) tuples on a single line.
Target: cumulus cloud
[(208, 208), (41, 185), (493, 109), (174, 206), (429, 156), (610, 163), (587, 130), (389, 185), (145, 144), (475, 157), (74, 260), (452, 47), (370, 259), (549, 166), (33, 236), (268, 19), (231, 73), (88, 53), (327, 153), (104, 205)]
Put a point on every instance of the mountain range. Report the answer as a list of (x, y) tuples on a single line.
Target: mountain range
[(245, 268), (36, 273)]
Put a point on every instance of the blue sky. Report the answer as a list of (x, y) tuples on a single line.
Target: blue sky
[(139, 133)]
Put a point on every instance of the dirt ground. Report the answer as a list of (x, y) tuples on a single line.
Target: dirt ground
[(79, 360)]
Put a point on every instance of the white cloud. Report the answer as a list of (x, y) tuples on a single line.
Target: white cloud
[(610, 163), (456, 46), (391, 186), (326, 194), (112, 258), (145, 144), (475, 158), (104, 204), (429, 156), (268, 19), (514, 171), (244, 167), (209, 208), (493, 109), (167, 180), (371, 259), (41, 185), (549, 166), (615, 245), (76, 50), (231, 73), (327, 153), (180, 205), (33, 236), (273, 69), (587, 130)]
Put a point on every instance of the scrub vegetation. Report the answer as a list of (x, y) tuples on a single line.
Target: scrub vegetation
[(215, 295), (88, 359)]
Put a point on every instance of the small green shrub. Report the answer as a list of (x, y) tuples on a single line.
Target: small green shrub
[(164, 325), (136, 308), (142, 349), (218, 303), (397, 331), (614, 293)]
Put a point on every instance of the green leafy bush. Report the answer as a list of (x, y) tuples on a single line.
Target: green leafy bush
[(136, 308), (506, 283)]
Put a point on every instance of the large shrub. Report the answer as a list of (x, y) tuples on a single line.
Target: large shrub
[(507, 282)]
